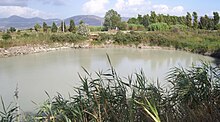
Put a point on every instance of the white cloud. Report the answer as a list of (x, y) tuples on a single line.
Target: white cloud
[(95, 6), (178, 10), (162, 9), (135, 7), (135, 2), (7, 11), (132, 7)]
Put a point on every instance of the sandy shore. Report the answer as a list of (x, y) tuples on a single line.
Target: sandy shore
[(30, 49)]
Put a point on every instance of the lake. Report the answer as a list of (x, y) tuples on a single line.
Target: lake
[(58, 71)]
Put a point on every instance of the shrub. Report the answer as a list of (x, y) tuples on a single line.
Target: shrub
[(123, 26), (132, 27), (140, 27), (178, 27), (67, 37), (158, 27), (218, 27), (6, 36), (83, 30)]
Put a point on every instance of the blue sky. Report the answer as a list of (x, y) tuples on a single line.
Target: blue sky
[(127, 8)]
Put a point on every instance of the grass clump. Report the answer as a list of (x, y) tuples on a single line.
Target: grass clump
[(193, 96)]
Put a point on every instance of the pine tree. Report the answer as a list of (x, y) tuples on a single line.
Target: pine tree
[(45, 27), (72, 27), (216, 19), (195, 20), (189, 20), (54, 27)]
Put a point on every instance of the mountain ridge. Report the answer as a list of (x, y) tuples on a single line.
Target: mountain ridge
[(25, 23)]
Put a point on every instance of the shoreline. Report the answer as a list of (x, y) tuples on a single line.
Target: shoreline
[(38, 48)]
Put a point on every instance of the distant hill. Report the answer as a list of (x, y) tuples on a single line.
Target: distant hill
[(88, 19), (24, 23)]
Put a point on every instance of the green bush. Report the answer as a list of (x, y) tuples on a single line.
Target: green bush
[(178, 27), (67, 37), (6, 36), (218, 27), (132, 27), (158, 27), (83, 30), (140, 28)]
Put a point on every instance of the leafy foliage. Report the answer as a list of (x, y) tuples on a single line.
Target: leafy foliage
[(72, 27), (158, 27), (37, 27), (112, 19), (54, 27), (83, 30), (8, 112), (45, 27)]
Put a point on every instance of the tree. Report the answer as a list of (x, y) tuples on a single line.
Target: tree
[(81, 22), (209, 23), (146, 20), (140, 19), (12, 29), (72, 27), (216, 19), (182, 20), (160, 18), (153, 17), (206, 23), (37, 27), (123, 26), (112, 19), (83, 29), (63, 26), (54, 27), (202, 23), (189, 20), (45, 27), (195, 20), (132, 21)]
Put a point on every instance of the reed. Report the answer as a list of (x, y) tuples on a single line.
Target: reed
[(194, 96)]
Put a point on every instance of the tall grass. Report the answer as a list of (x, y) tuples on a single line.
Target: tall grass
[(193, 96)]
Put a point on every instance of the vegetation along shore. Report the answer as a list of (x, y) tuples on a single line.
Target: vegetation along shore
[(172, 32)]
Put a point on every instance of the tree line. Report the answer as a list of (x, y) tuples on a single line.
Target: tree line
[(54, 28), (113, 20)]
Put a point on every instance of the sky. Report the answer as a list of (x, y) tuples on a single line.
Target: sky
[(127, 8)]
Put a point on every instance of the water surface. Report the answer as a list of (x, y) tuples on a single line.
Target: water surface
[(57, 71)]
